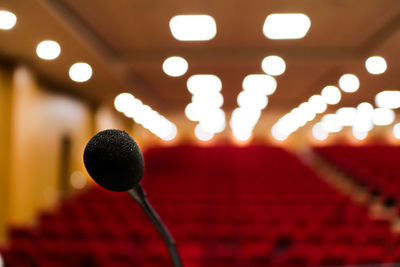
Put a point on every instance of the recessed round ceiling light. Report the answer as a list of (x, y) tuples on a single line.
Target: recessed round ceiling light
[(349, 83), (175, 66), (7, 20), (48, 50), (80, 72), (273, 65), (376, 65)]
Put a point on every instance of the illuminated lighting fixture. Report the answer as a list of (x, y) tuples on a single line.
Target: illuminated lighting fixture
[(259, 84), (78, 180), (319, 133), (215, 100), (145, 116), (359, 135), (318, 104), (193, 27), (286, 26), (331, 123), (201, 134), (206, 103), (80, 72), (365, 111), (201, 83), (347, 116), (331, 95), (7, 20), (349, 83), (376, 65), (175, 66), (48, 50), (388, 99), (273, 65), (251, 101), (383, 116), (396, 130), (247, 99), (242, 135), (213, 121), (306, 112)]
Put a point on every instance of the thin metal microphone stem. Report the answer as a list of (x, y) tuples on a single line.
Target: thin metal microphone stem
[(139, 195)]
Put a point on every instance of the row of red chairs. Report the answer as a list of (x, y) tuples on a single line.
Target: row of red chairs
[(226, 206)]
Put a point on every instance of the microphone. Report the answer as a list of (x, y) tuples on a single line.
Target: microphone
[(114, 161)]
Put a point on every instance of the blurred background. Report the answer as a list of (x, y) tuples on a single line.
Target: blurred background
[(294, 104)]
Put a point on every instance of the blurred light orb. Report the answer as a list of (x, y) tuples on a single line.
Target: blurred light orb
[(78, 180), (201, 134), (273, 65), (170, 133), (317, 103), (359, 135), (80, 72), (261, 84), (193, 112), (48, 50), (175, 66), (396, 130), (243, 134), (7, 20), (122, 101), (286, 26), (249, 100), (349, 83), (331, 95), (213, 121), (208, 100), (197, 83), (388, 99), (365, 111), (319, 133), (277, 134), (376, 65), (331, 123), (193, 27), (383, 116), (347, 116)]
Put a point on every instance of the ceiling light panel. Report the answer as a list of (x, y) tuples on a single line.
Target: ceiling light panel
[(286, 26), (193, 27)]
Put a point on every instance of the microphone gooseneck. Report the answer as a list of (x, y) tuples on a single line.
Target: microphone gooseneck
[(115, 162)]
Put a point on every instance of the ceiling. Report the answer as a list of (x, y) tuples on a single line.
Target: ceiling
[(126, 42)]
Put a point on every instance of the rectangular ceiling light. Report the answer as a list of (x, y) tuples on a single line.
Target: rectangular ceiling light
[(193, 27), (286, 26)]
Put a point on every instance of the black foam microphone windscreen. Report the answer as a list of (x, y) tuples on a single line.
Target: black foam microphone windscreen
[(114, 160)]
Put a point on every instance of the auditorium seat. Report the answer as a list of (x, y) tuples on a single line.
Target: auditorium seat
[(226, 206), (375, 166)]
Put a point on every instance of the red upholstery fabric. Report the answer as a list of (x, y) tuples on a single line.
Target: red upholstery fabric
[(226, 206)]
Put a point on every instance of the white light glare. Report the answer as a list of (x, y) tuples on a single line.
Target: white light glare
[(249, 100), (376, 65), (331, 123), (319, 133), (193, 27), (347, 116), (383, 116), (80, 72), (203, 82), (175, 66), (7, 20), (360, 135), (213, 121), (396, 130), (388, 99), (146, 116), (273, 65), (349, 83), (365, 111), (48, 50), (331, 95), (286, 26), (259, 83), (317, 103), (201, 134)]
